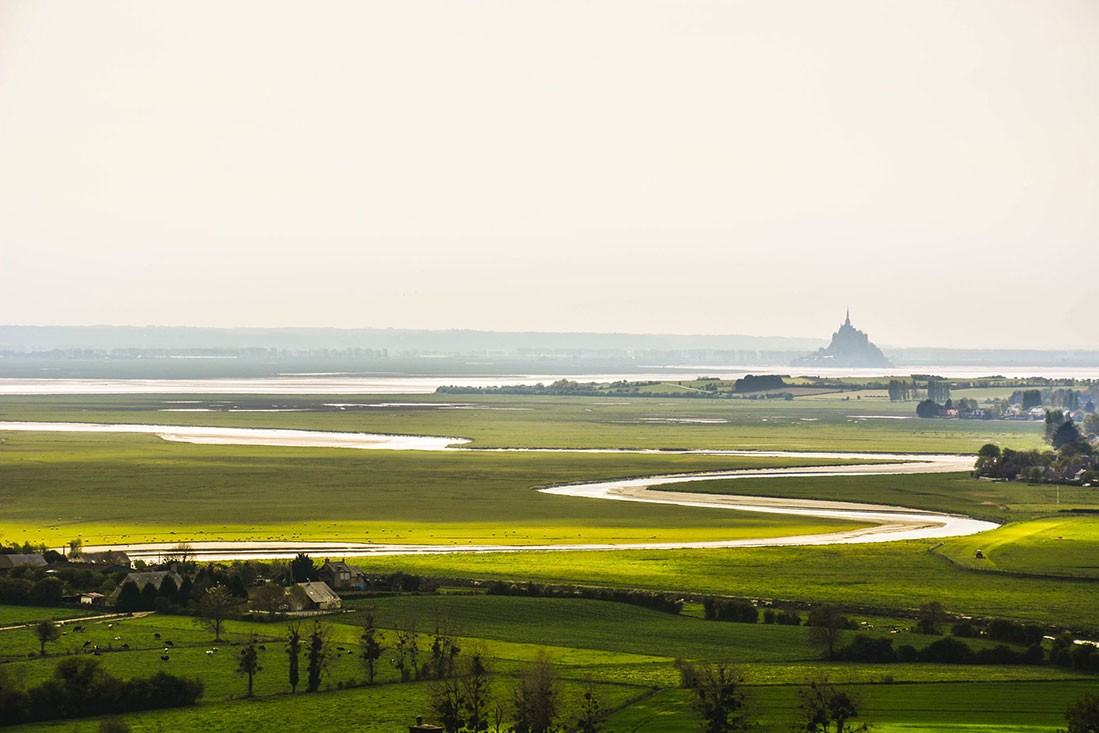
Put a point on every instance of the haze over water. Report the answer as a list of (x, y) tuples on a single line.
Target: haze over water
[(343, 384)]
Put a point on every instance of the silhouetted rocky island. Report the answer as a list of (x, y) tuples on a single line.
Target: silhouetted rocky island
[(850, 347)]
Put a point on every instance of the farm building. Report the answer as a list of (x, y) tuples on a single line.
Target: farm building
[(152, 577), (8, 562), (341, 576), (315, 596)]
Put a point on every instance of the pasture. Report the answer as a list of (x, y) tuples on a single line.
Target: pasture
[(830, 422), (632, 673), (126, 488)]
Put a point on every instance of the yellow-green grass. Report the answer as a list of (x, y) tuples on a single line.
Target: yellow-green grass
[(958, 493), (1062, 546), (824, 422), (898, 575), (583, 637), (11, 615), (973, 707), (132, 488)]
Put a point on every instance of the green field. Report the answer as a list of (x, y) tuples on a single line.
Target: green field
[(995, 501), (830, 422), (585, 640), (130, 488), (117, 488), (1054, 546)]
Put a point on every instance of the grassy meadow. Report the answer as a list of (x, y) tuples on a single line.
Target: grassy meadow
[(850, 421), (128, 488), (131, 488), (634, 674)]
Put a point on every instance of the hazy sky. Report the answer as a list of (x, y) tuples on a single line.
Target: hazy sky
[(686, 167)]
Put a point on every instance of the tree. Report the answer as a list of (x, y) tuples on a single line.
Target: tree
[(1091, 423), (47, 592), (826, 625), (370, 645), (407, 651), (271, 599), (930, 618), (719, 699), (215, 605), (46, 631), (461, 698), (149, 594), (129, 598), (988, 455), (476, 698), (249, 662), (293, 651), (1065, 434), (928, 408), (826, 708), (535, 697), (317, 656), (444, 650), (302, 568), (1083, 715), (1031, 398)]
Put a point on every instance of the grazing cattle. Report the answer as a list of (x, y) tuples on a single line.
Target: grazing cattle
[(209, 652), (125, 646), (156, 635), (118, 638), (110, 626), (214, 649), (169, 643), (164, 658), (87, 643), (262, 648)]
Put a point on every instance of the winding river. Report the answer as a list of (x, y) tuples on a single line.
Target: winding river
[(888, 523)]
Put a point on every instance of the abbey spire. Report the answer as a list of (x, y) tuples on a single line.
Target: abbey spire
[(850, 347)]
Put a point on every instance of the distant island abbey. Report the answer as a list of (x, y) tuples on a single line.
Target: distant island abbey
[(850, 347)]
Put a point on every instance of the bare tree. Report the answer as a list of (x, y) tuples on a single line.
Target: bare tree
[(719, 698), (826, 708), (535, 697), (476, 696), (215, 606), (826, 626), (407, 650), (591, 714)]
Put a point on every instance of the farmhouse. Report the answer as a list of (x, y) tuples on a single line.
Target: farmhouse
[(315, 596), (341, 576), (109, 561), (9, 562), (154, 578)]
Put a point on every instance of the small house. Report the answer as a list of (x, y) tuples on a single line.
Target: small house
[(86, 599), (341, 576)]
